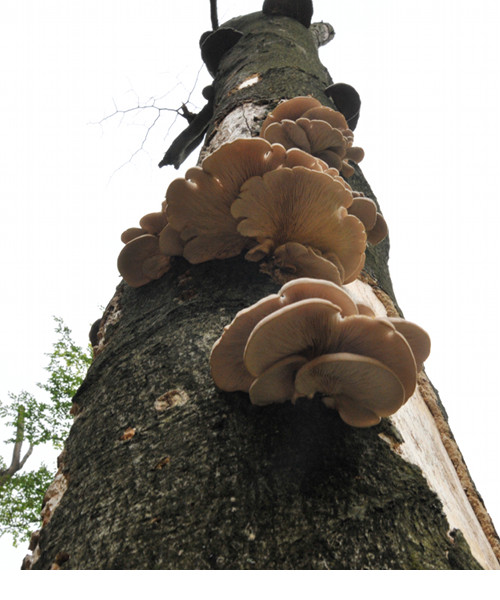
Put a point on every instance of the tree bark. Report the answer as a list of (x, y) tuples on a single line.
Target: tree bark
[(163, 471)]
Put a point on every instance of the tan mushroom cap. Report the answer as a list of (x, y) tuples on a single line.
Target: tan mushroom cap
[(320, 130), (417, 338), (198, 206), (302, 261), (308, 327), (153, 222), (226, 358), (289, 109), (379, 339), (295, 157), (308, 287), (276, 384), (322, 136), (131, 233), (140, 261), (304, 206), (170, 242), (379, 231), (333, 117), (360, 388), (314, 327), (366, 211)]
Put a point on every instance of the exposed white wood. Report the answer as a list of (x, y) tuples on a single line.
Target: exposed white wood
[(423, 447)]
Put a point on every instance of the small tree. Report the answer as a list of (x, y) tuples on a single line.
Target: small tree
[(36, 422)]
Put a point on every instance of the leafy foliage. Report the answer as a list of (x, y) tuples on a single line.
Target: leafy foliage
[(21, 498), (34, 422)]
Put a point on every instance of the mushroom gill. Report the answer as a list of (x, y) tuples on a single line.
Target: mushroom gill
[(226, 357), (302, 206), (198, 205), (311, 340), (303, 122)]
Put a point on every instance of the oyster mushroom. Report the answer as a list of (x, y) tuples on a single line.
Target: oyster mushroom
[(141, 261), (226, 358), (304, 206), (198, 205), (361, 389), (305, 123), (366, 211)]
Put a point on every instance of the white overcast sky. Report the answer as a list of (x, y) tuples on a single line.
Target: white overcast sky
[(428, 73)]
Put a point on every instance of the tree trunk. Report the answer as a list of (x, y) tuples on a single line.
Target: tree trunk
[(163, 471)]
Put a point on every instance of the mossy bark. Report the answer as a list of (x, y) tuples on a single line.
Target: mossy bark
[(164, 471)]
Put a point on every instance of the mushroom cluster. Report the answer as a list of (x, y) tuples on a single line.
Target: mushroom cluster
[(267, 200), (141, 259), (312, 339), (303, 122)]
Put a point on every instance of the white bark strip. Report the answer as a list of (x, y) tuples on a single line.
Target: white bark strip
[(423, 447)]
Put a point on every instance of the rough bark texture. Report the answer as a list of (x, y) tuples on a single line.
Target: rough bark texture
[(161, 470)]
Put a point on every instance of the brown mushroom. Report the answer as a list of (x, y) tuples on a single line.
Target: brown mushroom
[(417, 338), (153, 222), (226, 358), (305, 123), (308, 327), (315, 327), (198, 206), (140, 261), (366, 211), (302, 261), (289, 109), (131, 233), (360, 388), (276, 384), (304, 206)]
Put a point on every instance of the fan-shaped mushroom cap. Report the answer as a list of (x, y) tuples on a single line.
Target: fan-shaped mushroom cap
[(131, 233), (314, 327), (332, 117), (153, 222), (302, 261), (299, 158), (307, 287), (360, 388), (170, 242), (226, 358), (299, 205), (289, 109), (318, 129), (366, 211), (379, 339), (308, 327), (198, 206), (379, 231), (276, 384), (140, 261), (417, 338)]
